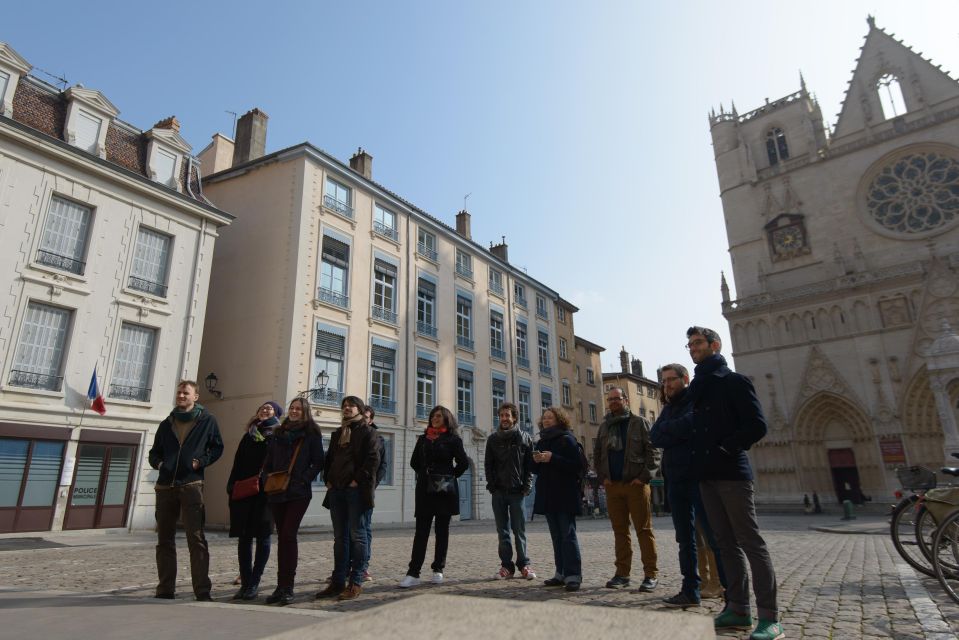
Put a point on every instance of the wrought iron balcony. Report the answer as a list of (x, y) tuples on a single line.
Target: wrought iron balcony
[(545, 369), (341, 208), (333, 297), (496, 287), (326, 397), (425, 329), (422, 412), (541, 313), (384, 314), (464, 270), (383, 404), (129, 393), (57, 261), (521, 301), (499, 354), (385, 231), (465, 419), (153, 288), (465, 342), (522, 362), (426, 251), (31, 380)]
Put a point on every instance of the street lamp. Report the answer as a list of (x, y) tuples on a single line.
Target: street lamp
[(316, 394), (211, 382)]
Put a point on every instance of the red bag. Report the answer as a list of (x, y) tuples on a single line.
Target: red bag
[(246, 488)]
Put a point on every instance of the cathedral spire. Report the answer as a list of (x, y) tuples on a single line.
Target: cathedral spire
[(723, 287)]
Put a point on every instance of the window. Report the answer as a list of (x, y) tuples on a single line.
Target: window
[(165, 165), (542, 344), (64, 241), (496, 347), (561, 314), (133, 364), (578, 380), (388, 455), (496, 281), (545, 398), (651, 392), (592, 412), (652, 416), (464, 329), (425, 305), (464, 397), (338, 198), (87, 131), (890, 96), (384, 291), (150, 260), (523, 405), (4, 79), (590, 378), (334, 272), (776, 147), (425, 386), (522, 352), (426, 244), (382, 366), (567, 394), (563, 349), (384, 223), (330, 356), (541, 307), (39, 358), (519, 293), (499, 397), (642, 411), (464, 264)]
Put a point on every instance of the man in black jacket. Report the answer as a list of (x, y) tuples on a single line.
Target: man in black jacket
[(186, 442), (509, 477), (370, 413)]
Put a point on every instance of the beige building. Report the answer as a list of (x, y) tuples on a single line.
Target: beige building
[(331, 284), (108, 248), (845, 252), (586, 403)]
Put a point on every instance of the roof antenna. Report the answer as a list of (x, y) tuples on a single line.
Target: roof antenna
[(233, 113), (464, 199), (60, 80)]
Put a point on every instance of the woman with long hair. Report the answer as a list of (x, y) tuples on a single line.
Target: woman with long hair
[(438, 460), (250, 516), (559, 465), (297, 446)]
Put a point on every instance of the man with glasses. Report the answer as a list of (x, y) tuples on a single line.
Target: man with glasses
[(625, 462), (725, 421)]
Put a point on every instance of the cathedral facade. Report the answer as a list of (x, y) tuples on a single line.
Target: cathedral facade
[(845, 254)]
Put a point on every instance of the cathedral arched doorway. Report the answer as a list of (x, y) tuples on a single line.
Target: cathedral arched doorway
[(922, 429)]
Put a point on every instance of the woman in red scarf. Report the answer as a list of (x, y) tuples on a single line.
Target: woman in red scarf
[(438, 460)]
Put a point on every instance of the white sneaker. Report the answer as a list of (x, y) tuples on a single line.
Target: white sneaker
[(437, 578), (408, 581)]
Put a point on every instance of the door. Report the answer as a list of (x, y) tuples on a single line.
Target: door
[(466, 495), (29, 476), (100, 494), (845, 475)]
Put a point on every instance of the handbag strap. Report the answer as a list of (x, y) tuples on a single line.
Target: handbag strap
[(296, 452)]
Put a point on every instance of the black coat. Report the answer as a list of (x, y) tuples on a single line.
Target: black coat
[(558, 488), (672, 436), (445, 456), (366, 460), (249, 517), (307, 467), (175, 461)]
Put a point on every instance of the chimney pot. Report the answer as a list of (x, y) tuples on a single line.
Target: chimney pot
[(250, 142), (362, 163), (500, 250), (463, 224), (168, 123), (637, 367), (624, 360)]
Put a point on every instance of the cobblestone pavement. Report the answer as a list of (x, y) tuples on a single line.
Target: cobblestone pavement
[(831, 585)]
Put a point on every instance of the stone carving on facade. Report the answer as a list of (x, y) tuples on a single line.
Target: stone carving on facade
[(821, 375), (939, 304), (894, 311)]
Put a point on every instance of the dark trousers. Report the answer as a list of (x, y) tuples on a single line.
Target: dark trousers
[(732, 515), (420, 539), (349, 535), (287, 516), (687, 509), (251, 567), (187, 503), (508, 513), (566, 555)]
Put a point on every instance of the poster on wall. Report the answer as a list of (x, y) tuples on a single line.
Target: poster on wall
[(892, 450)]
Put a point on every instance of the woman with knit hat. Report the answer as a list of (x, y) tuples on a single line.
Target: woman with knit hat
[(250, 515)]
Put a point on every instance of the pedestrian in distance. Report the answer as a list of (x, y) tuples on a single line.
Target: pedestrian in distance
[(438, 460), (250, 515), (626, 461), (509, 478), (186, 443), (816, 506), (560, 465), (297, 448)]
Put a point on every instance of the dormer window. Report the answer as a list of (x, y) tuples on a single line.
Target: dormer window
[(890, 96), (165, 152), (165, 167), (87, 131), (12, 66), (776, 147), (88, 118)]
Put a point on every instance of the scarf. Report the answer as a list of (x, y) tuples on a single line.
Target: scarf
[(615, 431), (346, 428), (187, 416), (432, 433), (260, 430), (291, 430), (552, 432)]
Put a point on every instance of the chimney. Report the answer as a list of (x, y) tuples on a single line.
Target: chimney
[(463, 224), (250, 141), (500, 250), (624, 360), (362, 163), (169, 123), (637, 367)]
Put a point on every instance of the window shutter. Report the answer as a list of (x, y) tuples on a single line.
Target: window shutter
[(427, 287), (384, 267), (425, 367), (463, 374), (499, 386), (329, 345), (336, 252), (382, 357)]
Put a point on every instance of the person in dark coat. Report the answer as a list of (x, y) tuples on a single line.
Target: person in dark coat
[(559, 464), (298, 441), (250, 517), (438, 460)]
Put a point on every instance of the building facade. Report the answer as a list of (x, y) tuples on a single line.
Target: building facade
[(845, 252), (330, 284), (109, 243), (587, 402), (643, 393)]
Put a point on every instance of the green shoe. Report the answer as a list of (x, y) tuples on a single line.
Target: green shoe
[(768, 630), (729, 620)]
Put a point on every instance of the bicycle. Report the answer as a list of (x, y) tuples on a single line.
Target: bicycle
[(912, 526)]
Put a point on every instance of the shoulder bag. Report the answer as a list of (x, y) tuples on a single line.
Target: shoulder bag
[(278, 481)]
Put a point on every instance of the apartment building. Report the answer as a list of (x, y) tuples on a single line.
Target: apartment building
[(585, 396)]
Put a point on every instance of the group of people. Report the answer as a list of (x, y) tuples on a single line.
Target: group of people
[(707, 425)]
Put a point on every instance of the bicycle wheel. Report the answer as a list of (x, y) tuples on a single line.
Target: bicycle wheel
[(905, 529), (946, 546), (925, 532)]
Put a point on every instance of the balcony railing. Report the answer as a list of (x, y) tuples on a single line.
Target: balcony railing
[(541, 313), (521, 301), (464, 342), (545, 370), (497, 353), (496, 287), (384, 314), (464, 270), (426, 251), (129, 393), (425, 329), (326, 397), (385, 231), (382, 404), (341, 208), (31, 380), (57, 261), (522, 362), (465, 419), (153, 288), (333, 297), (422, 412)]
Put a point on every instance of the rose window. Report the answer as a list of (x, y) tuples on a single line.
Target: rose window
[(916, 193)]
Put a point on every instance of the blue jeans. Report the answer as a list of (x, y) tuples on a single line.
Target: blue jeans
[(368, 532), (508, 512), (349, 536), (687, 508), (569, 562)]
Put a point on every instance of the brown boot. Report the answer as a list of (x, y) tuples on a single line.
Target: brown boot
[(330, 591), (352, 591)]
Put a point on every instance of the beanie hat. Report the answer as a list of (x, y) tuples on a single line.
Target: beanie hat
[(277, 409)]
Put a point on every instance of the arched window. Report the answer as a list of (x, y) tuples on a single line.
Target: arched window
[(890, 96), (776, 147)]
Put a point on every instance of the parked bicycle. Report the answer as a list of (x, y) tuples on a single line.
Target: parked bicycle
[(912, 526)]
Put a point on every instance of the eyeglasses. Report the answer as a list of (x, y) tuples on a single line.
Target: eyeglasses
[(614, 399), (695, 343)]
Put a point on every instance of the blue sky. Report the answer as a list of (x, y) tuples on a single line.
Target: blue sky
[(579, 128)]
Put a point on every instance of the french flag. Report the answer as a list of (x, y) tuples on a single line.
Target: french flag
[(94, 395)]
